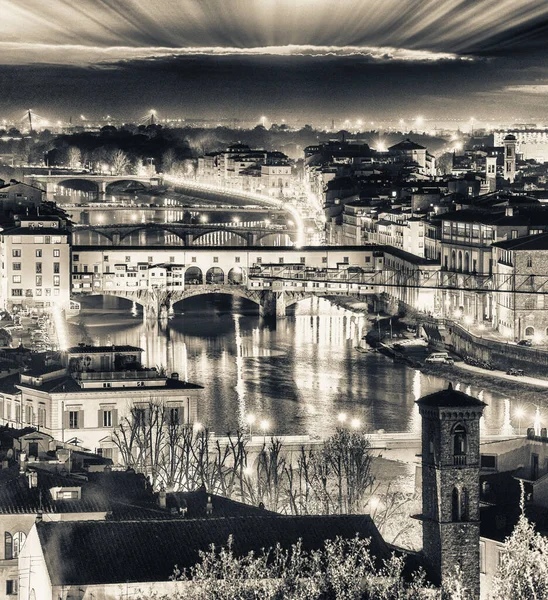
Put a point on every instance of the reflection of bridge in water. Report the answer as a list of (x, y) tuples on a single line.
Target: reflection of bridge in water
[(181, 234)]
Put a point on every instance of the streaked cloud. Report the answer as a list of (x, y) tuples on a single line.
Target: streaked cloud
[(540, 89), (74, 54)]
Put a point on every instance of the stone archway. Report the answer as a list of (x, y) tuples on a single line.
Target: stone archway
[(236, 276), (194, 276), (215, 276)]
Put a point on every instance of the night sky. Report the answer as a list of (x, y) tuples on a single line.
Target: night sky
[(369, 59)]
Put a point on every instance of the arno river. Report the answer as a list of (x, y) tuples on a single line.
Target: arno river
[(299, 373)]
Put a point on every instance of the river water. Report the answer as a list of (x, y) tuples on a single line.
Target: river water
[(298, 373)]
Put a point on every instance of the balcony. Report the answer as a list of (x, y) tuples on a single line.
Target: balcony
[(117, 375), (459, 460)]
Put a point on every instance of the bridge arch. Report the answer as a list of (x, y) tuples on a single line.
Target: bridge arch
[(87, 185), (227, 290), (194, 276), (130, 297), (274, 239), (85, 237), (215, 276), (118, 183)]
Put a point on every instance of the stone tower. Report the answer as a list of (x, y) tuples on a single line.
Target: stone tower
[(510, 157), (450, 485)]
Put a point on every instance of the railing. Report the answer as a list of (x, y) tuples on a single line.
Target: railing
[(543, 437), (115, 375), (459, 460)]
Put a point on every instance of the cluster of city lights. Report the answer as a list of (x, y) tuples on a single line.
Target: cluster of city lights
[(263, 424), (297, 219), (344, 419), (521, 414)]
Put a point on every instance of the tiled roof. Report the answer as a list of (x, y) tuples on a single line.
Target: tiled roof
[(485, 217), (7, 384), (196, 503), (528, 242), (407, 144), (68, 385), (100, 552), (120, 493), (449, 398)]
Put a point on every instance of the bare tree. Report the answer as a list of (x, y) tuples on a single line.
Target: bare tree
[(74, 158), (119, 162), (168, 160)]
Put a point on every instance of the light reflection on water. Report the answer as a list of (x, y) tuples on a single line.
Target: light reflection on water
[(299, 373)]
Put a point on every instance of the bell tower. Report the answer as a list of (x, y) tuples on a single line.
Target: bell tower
[(510, 143), (451, 486), (491, 172)]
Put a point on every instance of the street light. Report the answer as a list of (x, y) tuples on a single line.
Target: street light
[(265, 424), (519, 413), (341, 417), (250, 420), (355, 423)]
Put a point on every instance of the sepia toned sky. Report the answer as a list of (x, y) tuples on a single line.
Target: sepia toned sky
[(282, 58)]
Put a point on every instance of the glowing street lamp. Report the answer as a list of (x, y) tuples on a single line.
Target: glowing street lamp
[(519, 413), (250, 420), (265, 425), (355, 423), (341, 417), (197, 427)]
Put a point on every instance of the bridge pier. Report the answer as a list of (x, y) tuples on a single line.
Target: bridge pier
[(101, 188), (51, 188), (273, 304)]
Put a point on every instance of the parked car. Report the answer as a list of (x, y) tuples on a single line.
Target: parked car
[(527, 343), (516, 372), (439, 358)]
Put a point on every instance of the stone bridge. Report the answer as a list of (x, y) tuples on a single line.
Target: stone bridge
[(158, 303), (271, 277), (50, 183), (182, 234)]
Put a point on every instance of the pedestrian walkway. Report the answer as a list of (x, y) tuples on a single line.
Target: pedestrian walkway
[(502, 375)]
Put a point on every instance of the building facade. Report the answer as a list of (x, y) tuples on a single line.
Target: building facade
[(35, 265), (86, 398)]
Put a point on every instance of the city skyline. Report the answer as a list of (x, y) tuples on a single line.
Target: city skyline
[(205, 60)]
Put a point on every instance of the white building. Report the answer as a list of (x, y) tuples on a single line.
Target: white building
[(85, 399), (35, 264)]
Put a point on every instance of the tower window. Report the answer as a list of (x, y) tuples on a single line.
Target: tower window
[(455, 505), (459, 440)]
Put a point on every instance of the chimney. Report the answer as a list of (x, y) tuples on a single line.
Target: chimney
[(22, 462), (162, 498), (509, 211), (33, 479)]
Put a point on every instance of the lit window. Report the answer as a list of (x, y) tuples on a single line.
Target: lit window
[(16, 278), (39, 253), (16, 253), (56, 253), (57, 280)]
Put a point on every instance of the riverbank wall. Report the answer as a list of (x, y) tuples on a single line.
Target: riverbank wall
[(503, 355)]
